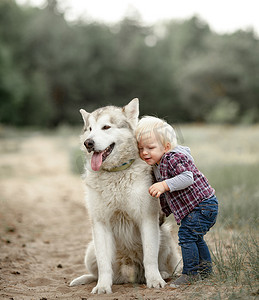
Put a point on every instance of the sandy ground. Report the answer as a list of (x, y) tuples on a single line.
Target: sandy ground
[(44, 226)]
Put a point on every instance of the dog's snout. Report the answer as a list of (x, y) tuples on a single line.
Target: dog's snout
[(89, 144)]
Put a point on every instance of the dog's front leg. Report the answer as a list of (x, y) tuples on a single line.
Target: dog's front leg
[(150, 242), (103, 241)]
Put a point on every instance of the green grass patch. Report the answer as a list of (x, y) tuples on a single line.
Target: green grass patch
[(238, 193), (236, 262)]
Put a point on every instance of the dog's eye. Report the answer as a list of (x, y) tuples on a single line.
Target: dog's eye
[(105, 127), (90, 128)]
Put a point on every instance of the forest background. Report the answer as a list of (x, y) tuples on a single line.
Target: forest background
[(180, 70)]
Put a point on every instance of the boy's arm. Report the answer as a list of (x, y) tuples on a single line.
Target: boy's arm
[(179, 168), (180, 182)]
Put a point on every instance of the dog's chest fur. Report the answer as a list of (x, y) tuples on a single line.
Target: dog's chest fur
[(123, 194)]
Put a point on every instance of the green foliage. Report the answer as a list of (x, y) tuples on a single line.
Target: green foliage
[(50, 68), (226, 111), (222, 78)]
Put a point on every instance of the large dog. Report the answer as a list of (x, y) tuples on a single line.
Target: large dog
[(129, 244)]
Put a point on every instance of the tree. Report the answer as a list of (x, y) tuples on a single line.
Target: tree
[(181, 71)]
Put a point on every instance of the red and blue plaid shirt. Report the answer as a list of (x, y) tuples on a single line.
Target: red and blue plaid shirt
[(182, 202)]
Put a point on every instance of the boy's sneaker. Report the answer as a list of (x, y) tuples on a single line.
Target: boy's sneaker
[(185, 279)]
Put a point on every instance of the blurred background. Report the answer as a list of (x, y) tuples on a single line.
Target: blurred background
[(55, 58)]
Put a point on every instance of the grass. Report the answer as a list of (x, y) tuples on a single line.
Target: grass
[(237, 189), (237, 260), (236, 264)]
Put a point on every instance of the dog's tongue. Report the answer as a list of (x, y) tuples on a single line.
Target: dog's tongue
[(96, 161)]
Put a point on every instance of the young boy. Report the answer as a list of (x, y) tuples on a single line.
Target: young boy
[(183, 190)]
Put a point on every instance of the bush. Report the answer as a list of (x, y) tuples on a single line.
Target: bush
[(225, 112)]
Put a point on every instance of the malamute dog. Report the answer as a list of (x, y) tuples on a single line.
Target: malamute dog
[(129, 244)]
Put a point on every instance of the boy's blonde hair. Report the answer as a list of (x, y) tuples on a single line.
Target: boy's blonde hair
[(163, 132)]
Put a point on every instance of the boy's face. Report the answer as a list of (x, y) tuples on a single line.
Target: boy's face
[(151, 150)]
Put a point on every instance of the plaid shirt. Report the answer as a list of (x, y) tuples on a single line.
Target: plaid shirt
[(182, 202)]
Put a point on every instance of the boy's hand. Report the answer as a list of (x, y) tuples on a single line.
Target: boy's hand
[(158, 188)]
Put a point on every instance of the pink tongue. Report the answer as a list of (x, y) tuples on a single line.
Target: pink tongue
[(96, 161)]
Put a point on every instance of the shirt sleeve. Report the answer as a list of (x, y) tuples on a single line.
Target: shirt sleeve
[(180, 182), (178, 163)]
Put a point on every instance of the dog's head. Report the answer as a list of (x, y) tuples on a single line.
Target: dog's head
[(108, 137)]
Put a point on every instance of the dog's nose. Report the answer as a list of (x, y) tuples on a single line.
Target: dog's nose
[(89, 145)]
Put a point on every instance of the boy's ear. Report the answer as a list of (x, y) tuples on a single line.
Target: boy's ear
[(131, 111), (85, 116), (168, 147)]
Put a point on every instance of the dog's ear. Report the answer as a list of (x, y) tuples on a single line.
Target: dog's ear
[(85, 116), (131, 111)]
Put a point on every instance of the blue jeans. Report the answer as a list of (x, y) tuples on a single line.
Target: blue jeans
[(195, 252)]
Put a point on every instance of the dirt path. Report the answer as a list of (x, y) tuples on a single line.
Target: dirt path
[(44, 226)]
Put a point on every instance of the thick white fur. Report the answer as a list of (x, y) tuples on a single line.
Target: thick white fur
[(128, 243)]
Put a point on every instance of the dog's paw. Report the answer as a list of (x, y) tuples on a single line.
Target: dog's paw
[(164, 274), (156, 283), (101, 289), (84, 279)]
